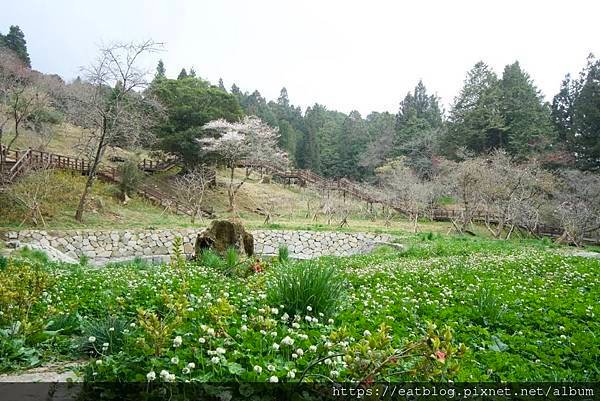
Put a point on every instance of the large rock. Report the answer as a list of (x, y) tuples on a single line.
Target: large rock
[(224, 234)]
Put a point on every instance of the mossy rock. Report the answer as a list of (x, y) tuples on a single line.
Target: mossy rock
[(224, 234)]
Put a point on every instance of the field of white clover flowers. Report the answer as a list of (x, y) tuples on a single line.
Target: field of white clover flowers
[(446, 309)]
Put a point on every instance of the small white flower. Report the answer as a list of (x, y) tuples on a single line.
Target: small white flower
[(271, 368), (291, 374), (191, 365), (273, 334), (308, 318), (111, 329), (132, 325), (334, 373), (171, 377), (287, 341), (210, 331), (164, 374), (185, 370), (92, 339), (177, 341), (309, 308), (330, 321), (366, 333), (220, 350), (151, 376), (312, 348), (274, 311), (275, 346), (273, 379), (175, 360), (202, 340), (99, 362), (285, 316), (296, 325), (244, 328), (215, 359), (258, 369), (299, 351), (294, 356)]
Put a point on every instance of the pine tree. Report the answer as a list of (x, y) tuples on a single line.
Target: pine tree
[(526, 116), (476, 121), (183, 74), (15, 40), (222, 86), (192, 73), (283, 99), (160, 70)]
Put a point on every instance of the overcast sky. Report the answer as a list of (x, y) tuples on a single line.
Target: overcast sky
[(347, 55)]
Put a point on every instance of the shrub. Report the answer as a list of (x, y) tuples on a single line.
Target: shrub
[(130, 178), (3, 262), (304, 286)]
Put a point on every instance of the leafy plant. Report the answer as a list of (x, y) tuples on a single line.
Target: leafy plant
[(210, 259), (303, 287), (3, 262), (14, 352), (130, 178), (488, 306)]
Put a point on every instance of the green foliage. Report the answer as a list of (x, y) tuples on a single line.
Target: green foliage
[(488, 307), (283, 254), (130, 177), (307, 287), (231, 259), (15, 40), (210, 259), (190, 103), (14, 352), (65, 323), (3, 262), (103, 336)]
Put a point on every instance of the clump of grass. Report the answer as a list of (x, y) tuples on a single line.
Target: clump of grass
[(3, 262), (34, 255), (210, 259), (307, 286), (489, 309), (283, 254), (231, 259), (109, 330)]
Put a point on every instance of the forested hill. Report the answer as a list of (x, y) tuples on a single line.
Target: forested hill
[(491, 111)]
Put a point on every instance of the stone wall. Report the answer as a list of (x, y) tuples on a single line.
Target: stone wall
[(101, 246)]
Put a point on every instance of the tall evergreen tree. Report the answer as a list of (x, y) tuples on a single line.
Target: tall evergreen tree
[(222, 86), (527, 117), (15, 40), (576, 113), (476, 120), (182, 74), (192, 73), (160, 70)]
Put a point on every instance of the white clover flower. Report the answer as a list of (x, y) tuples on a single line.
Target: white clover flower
[(263, 332), (308, 318), (99, 362), (291, 374), (244, 328), (175, 360), (366, 333), (215, 359), (275, 346), (177, 341), (285, 316), (273, 379), (105, 345), (328, 344), (204, 327), (92, 339), (334, 373), (210, 331), (191, 365), (111, 329), (164, 374), (271, 368), (185, 370), (330, 321), (315, 320), (258, 369), (132, 325), (303, 336), (171, 377), (312, 348), (202, 340), (151, 376), (287, 341), (274, 311), (296, 325), (220, 350), (309, 308), (299, 351), (273, 334), (328, 361), (294, 356)]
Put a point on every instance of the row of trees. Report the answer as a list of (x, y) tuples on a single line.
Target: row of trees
[(505, 195)]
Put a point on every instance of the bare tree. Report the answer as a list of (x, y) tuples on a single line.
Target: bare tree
[(191, 187), (578, 205), (404, 189), (251, 140), (109, 104)]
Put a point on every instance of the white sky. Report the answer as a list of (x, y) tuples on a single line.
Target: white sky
[(362, 55)]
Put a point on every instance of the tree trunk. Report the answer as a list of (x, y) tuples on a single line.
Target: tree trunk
[(230, 193), (90, 179)]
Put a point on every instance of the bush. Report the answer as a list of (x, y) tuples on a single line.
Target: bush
[(3, 262), (305, 286), (130, 178)]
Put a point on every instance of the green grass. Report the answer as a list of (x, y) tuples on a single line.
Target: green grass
[(525, 312)]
